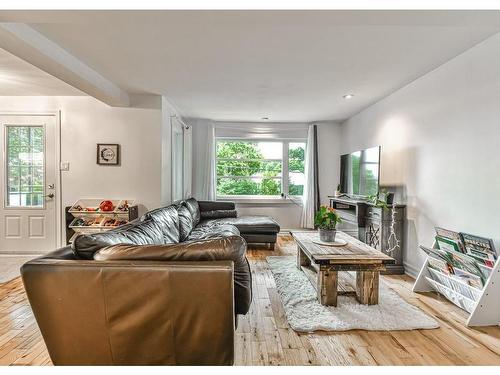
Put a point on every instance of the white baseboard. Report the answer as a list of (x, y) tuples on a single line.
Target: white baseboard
[(411, 270), (20, 253)]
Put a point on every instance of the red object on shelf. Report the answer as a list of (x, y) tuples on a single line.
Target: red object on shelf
[(106, 206)]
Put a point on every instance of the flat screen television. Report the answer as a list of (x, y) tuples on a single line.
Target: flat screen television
[(359, 172)]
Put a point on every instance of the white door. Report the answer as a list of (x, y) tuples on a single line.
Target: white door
[(28, 175)]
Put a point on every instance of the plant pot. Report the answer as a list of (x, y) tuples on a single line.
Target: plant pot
[(327, 235)]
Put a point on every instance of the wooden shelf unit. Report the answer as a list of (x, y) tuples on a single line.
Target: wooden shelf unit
[(71, 215)]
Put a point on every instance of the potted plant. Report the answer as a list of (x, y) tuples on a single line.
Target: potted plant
[(326, 221)]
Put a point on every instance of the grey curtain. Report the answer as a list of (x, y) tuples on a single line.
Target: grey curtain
[(316, 169)]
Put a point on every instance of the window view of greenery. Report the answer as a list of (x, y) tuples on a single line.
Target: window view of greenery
[(256, 168), (296, 168), (249, 168), (25, 148)]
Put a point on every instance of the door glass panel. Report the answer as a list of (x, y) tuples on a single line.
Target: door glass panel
[(25, 166)]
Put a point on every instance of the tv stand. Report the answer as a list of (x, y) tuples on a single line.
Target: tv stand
[(353, 214), (343, 195), (371, 225)]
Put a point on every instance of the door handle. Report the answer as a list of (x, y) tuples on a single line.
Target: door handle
[(51, 195)]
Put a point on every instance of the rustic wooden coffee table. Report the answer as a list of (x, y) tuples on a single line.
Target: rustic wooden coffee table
[(322, 263)]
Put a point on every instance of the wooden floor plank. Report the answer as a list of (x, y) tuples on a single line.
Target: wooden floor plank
[(264, 337)]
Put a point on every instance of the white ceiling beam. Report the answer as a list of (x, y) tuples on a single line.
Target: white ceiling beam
[(28, 44)]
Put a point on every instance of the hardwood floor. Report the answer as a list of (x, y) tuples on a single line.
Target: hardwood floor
[(263, 336)]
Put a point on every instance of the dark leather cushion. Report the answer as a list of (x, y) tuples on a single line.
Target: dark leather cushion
[(218, 214), (222, 248), (168, 220), (214, 205), (194, 210), (136, 232), (185, 222), (63, 253), (247, 224), (203, 233)]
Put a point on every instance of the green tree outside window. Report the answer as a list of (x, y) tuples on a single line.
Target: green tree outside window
[(243, 170)]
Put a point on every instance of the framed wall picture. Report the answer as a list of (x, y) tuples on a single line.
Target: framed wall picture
[(108, 154)]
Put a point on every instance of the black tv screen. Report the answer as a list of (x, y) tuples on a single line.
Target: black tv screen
[(359, 172)]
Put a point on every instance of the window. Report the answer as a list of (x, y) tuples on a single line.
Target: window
[(260, 168), (25, 166)]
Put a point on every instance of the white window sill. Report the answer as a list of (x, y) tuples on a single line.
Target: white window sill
[(261, 200)]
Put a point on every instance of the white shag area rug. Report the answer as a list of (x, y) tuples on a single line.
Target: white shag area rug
[(305, 314)]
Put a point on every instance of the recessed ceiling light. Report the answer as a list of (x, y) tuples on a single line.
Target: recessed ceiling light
[(264, 118), (348, 96)]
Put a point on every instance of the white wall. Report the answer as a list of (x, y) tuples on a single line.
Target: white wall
[(329, 144), (85, 122), (440, 140)]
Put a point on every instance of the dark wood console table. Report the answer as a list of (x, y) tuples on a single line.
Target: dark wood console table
[(371, 225)]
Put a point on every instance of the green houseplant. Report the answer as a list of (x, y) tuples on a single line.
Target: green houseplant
[(326, 221)]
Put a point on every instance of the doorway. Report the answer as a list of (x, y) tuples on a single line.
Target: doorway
[(29, 175), (181, 159)]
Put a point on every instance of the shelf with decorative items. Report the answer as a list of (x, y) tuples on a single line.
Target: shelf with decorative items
[(90, 215), (464, 269)]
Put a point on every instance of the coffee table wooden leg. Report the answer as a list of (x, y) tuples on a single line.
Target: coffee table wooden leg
[(327, 287), (367, 287), (302, 259)]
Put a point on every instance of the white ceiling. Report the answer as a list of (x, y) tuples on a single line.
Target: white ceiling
[(19, 78), (245, 65)]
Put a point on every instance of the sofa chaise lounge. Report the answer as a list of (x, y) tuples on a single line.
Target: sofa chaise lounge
[(254, 229)]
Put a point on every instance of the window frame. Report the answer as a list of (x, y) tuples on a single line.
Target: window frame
[(5, 160), (284, 172)]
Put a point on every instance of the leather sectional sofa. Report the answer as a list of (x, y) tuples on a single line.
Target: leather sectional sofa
[(163, 289)]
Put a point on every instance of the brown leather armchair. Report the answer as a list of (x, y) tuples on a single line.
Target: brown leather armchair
[(132, 312)]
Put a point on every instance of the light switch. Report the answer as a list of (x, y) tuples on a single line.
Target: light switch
[(65, 166)]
